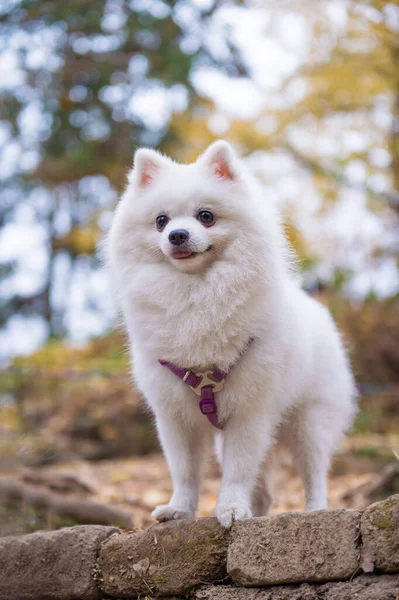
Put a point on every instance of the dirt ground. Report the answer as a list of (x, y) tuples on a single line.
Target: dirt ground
[(138, 484)]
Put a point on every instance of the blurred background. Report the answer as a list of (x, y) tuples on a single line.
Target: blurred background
[(308, 92)]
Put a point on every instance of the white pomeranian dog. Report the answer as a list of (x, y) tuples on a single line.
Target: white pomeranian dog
[(223, 340)]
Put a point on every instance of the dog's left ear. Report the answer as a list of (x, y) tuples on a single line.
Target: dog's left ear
[(221, 159)]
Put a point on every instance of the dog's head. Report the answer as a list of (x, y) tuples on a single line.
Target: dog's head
[(188, 215)]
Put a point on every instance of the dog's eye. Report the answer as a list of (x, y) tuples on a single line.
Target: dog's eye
[(161, 222), (206, 218)]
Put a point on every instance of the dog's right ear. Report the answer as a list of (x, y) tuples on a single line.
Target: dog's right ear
[(221, 160), (146, 167)]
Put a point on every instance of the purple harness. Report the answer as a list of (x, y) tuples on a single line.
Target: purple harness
[(204, 384)]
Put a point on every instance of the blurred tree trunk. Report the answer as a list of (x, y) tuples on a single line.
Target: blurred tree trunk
[(395, 139), (47, 308)]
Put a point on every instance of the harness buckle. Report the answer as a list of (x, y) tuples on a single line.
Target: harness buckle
[(207, 379)]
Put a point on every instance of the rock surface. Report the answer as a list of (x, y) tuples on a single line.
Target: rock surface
[(365, 587), (302, 555), (170, 558), (380, 536), (52, 565), (295, 547)]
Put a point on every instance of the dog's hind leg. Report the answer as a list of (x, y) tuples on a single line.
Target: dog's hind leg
[(312, 435), (219, 447), (262, 498)]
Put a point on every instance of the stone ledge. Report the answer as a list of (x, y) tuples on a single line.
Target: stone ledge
[(177, 557), (170, 558), (364, 587), (295, 547), (52, 565)]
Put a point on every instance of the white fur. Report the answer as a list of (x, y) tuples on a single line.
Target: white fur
[(293, 383)]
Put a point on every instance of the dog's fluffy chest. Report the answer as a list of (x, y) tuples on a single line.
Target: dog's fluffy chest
[(189, 322)]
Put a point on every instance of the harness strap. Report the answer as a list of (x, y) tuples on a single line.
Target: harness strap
[(208, 406), (212, 381), (207, 403)]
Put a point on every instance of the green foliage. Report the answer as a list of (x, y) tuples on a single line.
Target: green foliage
[(100, 355)]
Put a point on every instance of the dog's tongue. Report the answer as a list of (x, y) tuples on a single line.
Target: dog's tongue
[(181, 254)]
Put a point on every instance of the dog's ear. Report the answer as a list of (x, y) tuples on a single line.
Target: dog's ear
[(221, 159), (147, 166)]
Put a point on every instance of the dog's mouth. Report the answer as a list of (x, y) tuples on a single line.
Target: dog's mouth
[(186, 254)]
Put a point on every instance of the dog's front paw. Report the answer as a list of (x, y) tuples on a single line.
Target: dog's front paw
[(166, 512), (228, 514)]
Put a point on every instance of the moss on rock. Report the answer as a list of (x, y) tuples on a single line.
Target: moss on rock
[(380, 534), (170, 558)]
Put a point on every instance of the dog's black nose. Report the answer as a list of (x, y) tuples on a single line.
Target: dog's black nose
[(178, 236)]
